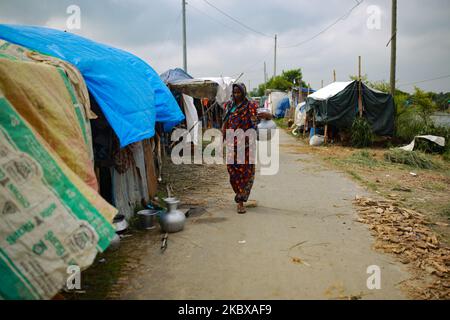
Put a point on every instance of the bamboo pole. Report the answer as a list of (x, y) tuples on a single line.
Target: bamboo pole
[(360, 107)]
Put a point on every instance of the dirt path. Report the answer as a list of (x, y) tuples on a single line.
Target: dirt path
[(301, 242)]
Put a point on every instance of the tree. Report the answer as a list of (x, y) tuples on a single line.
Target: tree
[(294, 76), (423, 103), (283, 82)]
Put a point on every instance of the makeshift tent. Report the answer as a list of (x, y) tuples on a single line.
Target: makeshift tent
[(214, 88), (52, 217), (282, 107), (195, 88), (273, 99), (337, 105), (174, 75), (128, 90)]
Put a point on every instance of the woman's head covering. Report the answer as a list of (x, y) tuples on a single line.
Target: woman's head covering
[(242, 88)]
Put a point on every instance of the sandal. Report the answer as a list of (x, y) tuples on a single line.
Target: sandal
[(241, 210)]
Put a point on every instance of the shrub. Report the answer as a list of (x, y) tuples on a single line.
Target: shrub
[(362, 136)]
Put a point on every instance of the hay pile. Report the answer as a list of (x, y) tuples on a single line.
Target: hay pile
[(407, 234), (412, 158)]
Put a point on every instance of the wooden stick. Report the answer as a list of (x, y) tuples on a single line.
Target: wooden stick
[(359, 89), (326, 133)]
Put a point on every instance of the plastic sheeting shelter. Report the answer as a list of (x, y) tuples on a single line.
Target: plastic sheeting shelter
[(274, 99), (224, 89), (282, 106), (337, 105), (300, 114), (174, 75), (129, 92)]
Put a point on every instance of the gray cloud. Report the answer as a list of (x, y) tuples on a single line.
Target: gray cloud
[(218, 46)]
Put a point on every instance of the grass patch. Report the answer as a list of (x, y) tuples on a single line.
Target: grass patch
[(446, 156), (355, 176), (363, 158), (446, 211), (281, 123), (414, 159), (435, 186)]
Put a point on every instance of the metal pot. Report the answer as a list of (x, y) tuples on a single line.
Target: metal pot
[(120, 223), (173, 220), (265, 128), (147, 219)]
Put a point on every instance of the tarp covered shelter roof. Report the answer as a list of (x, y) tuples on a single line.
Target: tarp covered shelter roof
[(174, 75), (337, 105), (213, 88), (129, 92), (330, 90), (196, 88)]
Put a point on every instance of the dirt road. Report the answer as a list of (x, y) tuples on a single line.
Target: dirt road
[(301, 242)]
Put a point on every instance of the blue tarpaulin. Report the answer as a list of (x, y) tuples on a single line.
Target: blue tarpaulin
[(282, 106), (129, 92)]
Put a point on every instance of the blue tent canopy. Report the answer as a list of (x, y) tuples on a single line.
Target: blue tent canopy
[(129, 92), (283, 105), (174, 75)]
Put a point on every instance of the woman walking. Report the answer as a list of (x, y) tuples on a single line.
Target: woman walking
[(240, 113)]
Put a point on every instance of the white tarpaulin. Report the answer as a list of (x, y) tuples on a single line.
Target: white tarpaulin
[(438, 140), (225, 88), (191, 119), (329, 91), (299, 115)]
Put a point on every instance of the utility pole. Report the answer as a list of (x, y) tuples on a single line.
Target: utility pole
[(393, 45), (275, 58), (265, 73), (334, 75), (184, 36)]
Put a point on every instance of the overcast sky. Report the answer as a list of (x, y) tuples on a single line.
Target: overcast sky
[(217, 46)]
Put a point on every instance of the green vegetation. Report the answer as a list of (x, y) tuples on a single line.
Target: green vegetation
[(415, 159), (283, 82), (446, 211), (281, 123), (362, 136), (363, 158)]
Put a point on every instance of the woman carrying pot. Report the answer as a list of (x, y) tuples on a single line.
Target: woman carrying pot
[(240, 113)]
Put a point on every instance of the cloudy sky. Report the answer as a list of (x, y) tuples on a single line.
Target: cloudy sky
[(217, 45)]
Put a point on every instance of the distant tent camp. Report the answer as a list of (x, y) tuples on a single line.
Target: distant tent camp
[(129, 92), (337, 105)]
